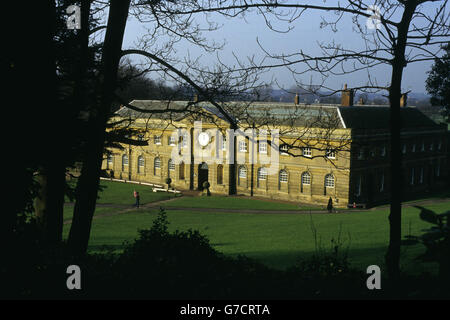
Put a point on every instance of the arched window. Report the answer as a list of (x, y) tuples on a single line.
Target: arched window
[(329, 181), (262, 175), (220, 174), (306, 178), (181, 170), (141, 164), (109, 161), (242, 174), (242, 171), (283, 176), (157, 165), (359, 185), (171, 165), (124, 162)]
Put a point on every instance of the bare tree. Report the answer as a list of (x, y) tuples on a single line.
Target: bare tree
[(402, 32)]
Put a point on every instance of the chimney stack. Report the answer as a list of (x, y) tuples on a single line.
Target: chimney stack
[(296, 99), (347, 97), (403, 100)]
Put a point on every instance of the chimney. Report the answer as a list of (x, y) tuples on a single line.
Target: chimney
[(347, 97), (296, 99), (403, 100)]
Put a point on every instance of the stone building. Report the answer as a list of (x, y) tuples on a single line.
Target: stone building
[(321, 151)]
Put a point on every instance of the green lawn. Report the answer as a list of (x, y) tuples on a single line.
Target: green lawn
[(275, 239), (68, 211), (234, 202), (122, 193)]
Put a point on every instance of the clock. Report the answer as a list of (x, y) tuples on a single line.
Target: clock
[(203, 139)]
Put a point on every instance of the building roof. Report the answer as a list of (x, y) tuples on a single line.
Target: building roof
[(378, 117), (168, 110), (301, 115)]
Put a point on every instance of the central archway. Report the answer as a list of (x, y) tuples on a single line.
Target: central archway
[(202, 174)]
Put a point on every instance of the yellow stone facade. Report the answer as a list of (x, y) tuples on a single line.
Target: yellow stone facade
[(309, 179)]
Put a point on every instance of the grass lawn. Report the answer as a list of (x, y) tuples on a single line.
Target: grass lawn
[(122, 193), (275, 239), (68, 211), (234, 202)]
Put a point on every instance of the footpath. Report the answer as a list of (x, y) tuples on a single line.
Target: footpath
[(123, 208)]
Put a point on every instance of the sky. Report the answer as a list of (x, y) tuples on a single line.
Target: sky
[(240, 37)]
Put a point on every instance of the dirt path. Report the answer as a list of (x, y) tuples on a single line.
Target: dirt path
[(152, 205), (149, 205)]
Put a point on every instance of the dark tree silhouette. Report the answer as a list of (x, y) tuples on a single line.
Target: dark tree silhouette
[(438, 82)]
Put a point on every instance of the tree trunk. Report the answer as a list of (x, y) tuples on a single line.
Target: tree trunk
[(88, 182), (393, 253), (49, 205)]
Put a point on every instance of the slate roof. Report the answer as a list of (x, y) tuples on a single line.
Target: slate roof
[(175, 110), (378, 117), (311, 115)]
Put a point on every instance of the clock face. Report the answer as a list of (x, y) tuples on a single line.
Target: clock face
[(203, 139)]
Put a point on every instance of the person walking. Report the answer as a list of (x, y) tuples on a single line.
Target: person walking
[(330, 205), (136, 196)]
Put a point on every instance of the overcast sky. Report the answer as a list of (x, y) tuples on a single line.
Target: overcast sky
[(241, 37)]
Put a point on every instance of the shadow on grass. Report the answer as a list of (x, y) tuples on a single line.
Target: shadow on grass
[(116, 248), (359, 259)]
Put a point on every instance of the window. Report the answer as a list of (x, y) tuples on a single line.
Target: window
[(109, 159), (284, 149), (423, 147), (224, 142), (171, 165), (382, 182), (306, 152), (404, 148), (181, 170), (421, 175), (157, 139), (262, 147), (242, 146), (330, 154), (172, 141), (431, 146), (412, 176), (383, 151), (329, 181), (262, 174), (361, 154), (439, 145), (242, 172), (220, 174), (283, 176), (157, 163), (184, 140), (413, 149), (141, 164), (438, 170), (358, 185), (124, 162), (140, 137), (306, 178)]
